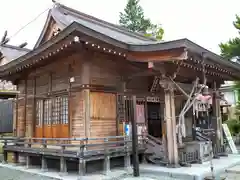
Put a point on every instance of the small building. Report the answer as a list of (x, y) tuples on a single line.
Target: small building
[(8, 91), (231, 97), (78, 81)]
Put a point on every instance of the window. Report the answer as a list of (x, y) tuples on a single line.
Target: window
[(56, 110), (47, 111), (39, 112), (52, 111), (64, 110)]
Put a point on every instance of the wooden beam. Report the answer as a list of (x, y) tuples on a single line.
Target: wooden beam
[(86, 96), (157, 56), (148, 72)]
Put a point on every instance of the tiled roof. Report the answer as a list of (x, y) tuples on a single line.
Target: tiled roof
[(65, 16), (9, 52)]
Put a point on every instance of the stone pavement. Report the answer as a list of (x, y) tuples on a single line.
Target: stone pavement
[(148, 172), (18, 173), (10, 174)]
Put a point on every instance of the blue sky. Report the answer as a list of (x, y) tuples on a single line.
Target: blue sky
[(206, 22)]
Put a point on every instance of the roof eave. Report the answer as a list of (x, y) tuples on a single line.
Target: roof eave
[(43, 30), (182, 43)]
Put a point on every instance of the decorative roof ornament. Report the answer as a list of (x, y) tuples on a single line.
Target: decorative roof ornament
[(56, 31), (23, 45), (56, 3), (4, 39)]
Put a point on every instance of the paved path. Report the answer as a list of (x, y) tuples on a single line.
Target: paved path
[(9, 174)]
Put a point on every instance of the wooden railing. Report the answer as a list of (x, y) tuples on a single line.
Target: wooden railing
[(83, 149)]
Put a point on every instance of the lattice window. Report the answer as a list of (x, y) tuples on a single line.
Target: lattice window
[(39, 112), (47, 111), (56, 110), (52, 111), (64, 110)]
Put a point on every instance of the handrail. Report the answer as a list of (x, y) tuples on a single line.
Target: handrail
[(63, 139), (83, 144), (157, 141)]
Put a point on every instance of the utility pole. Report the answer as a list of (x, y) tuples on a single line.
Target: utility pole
[(134, 138)]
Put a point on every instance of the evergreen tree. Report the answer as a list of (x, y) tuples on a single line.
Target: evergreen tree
[(133, 18), (230, 50)]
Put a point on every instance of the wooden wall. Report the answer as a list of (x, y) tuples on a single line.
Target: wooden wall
[(37, 84), (102, 69), (77, 114), (103, 114), (20, 124)]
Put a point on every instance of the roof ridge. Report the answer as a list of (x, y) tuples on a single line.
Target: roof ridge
[(105, 23)]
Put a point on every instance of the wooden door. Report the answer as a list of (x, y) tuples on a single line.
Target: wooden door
[(64, 121), (59, 127), (39, 119), (103, 114), (52, 118), (47, 118)]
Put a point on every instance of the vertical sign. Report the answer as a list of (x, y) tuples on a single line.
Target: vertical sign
[(140, 113)]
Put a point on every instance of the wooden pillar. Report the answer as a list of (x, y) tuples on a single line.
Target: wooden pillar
[(70, 73), (34, 108), (49, 93), (217, 125), (28, 161), (25, 109), (43, 163), (121, 108), (86, 97), (135, 138), (16, 127), (63, 163), (106, 164), (170, 121)]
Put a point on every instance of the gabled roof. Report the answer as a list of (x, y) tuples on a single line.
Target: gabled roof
[(10, 52), (64, 16), (88, 28)]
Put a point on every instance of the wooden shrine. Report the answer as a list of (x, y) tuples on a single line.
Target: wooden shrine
[(76, 81)]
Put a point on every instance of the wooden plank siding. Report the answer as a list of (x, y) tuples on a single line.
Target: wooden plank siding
[(29, 108), (21, 109), (91, 113), (103, 114), (77, 114)]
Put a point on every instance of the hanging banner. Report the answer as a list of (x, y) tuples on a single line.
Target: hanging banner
[(140, 113)]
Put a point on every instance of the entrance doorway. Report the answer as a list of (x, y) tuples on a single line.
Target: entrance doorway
[(154, 119)]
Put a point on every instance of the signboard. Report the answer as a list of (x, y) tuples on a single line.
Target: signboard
[(153, 99), (140, 113), (229, 139)]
